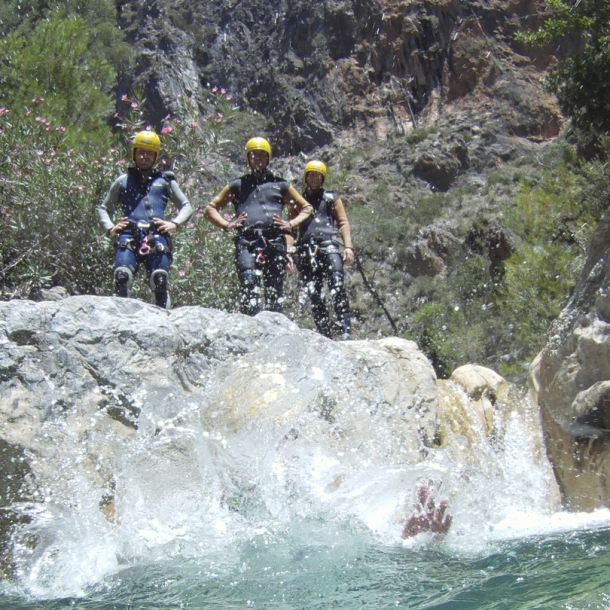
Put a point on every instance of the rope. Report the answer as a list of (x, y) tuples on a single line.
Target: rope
[(374, 294)]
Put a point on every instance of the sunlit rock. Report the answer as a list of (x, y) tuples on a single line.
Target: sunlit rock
[(118, 414), (467, 403), (570, 380), (484, 388)]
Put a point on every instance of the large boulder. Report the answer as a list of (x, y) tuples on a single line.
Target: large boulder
[(118, 415), (570, 379), (84, 380)]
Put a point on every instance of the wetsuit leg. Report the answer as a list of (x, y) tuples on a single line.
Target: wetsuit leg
[(318, 305), (312, 279), (249, 278), (123, 280), (159, 284), (274, 271), (333, 266), (125, 266), (157, 266)]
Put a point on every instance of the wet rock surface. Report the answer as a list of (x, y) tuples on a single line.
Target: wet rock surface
[(570, 379)]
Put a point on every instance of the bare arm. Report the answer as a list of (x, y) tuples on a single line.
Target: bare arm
[(221, 201), (343, 224), (299, 209), (345, 231)]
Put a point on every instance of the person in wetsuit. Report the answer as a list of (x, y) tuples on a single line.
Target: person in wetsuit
[(320, 254), (143, 234), (259, 198)]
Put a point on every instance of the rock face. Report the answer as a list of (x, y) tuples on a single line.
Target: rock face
[(93, 389), (320, 73), (84, 369), (571, 381), (406, 100)]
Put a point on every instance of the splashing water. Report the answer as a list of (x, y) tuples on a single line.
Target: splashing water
[(202, 512)]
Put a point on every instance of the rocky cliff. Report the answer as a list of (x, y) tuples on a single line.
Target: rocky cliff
[(571, 380), (333, 72), (413, 104)]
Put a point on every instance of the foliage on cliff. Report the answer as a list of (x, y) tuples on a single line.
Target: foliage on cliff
[(472, 260), (581, 78)]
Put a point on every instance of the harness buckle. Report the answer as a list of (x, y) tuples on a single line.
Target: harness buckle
[(144, 247), (261, 247)]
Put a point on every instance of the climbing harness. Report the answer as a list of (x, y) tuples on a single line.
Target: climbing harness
[(144, 239), (261, 248)]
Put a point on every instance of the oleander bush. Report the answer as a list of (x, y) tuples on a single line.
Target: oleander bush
[(64, 138)]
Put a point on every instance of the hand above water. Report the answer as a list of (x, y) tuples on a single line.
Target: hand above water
[(426, 515)]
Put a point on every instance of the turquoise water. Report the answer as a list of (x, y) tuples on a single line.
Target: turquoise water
[(567, 570), (228, 517)]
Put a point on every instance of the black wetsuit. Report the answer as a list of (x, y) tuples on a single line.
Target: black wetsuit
[(260, 247), (319, 261)]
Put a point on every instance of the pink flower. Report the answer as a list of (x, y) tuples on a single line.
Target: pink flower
[(182, 273), (4, 110), (124, 97), (166, 130), (134, 104)]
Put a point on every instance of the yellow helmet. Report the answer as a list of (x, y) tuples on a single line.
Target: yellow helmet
[(315, 166), (257, 144), (147, 140)]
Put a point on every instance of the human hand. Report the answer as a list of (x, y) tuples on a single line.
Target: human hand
[(166, 227), (119, 226), (290, 267), (281, 223), (237, 221), (348, 256), (427, 516)]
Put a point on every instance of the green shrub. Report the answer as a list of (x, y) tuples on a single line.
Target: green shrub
[(47, 187), (553, 220), (55, 62)]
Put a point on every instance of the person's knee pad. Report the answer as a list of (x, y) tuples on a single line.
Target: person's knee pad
[(123, 279), (159, 283)]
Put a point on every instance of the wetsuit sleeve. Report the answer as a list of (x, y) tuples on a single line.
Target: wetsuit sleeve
[(302, 208), (343, 224), (212, 211), (109, 205), (177, 197)]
